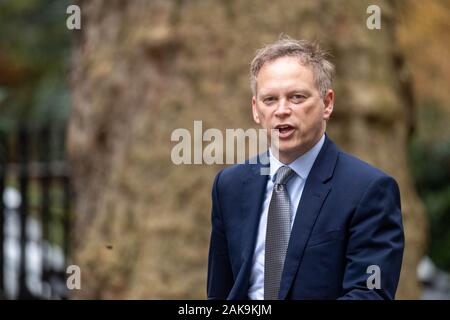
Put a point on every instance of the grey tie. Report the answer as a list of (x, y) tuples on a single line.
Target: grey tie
[(277, 234)]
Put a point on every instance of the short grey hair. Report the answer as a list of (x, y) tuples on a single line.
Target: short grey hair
[(309, 54)]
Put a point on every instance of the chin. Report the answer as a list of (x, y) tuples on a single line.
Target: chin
[(288, 152), (291, 149)]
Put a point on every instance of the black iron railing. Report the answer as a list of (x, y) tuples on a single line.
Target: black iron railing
[(33, 170)]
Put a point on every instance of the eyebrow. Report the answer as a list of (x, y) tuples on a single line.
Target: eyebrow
[(291, 92)]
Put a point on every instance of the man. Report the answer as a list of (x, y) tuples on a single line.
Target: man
[(323, 224)]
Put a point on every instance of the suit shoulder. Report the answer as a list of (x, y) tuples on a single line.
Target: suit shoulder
[(360, 177)]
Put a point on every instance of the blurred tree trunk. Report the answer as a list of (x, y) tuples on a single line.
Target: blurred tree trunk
[(144, 68)]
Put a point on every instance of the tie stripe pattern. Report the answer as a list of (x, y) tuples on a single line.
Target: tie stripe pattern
[(277, 233)]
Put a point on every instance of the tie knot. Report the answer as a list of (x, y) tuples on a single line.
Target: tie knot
[(284, 173)]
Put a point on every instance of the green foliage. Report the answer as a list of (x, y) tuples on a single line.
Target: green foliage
[(430, 162), (35, 40)]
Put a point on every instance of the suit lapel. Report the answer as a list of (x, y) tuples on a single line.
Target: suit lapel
[(252, 200), (314, 194), (253, 189), (307, 212)]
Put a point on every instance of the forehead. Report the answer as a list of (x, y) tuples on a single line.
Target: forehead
[(284, 72)]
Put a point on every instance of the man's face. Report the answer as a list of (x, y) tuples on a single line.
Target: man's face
[(288, 101)]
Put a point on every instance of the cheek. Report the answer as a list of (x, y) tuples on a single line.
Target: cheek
[(312, 113), (264, 117)]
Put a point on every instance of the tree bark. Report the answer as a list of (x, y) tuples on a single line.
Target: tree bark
[(144, 68)]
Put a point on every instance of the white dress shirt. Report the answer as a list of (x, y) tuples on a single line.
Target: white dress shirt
[(301, 166)]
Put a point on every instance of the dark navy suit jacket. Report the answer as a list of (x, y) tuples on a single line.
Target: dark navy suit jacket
[(348, 219)]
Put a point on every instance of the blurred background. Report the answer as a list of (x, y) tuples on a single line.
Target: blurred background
[(86, 118)]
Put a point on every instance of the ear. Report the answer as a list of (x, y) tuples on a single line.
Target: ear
[(328, 102), (255, 110)]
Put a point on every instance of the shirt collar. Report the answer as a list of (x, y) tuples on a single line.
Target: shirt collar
[(302, 165)]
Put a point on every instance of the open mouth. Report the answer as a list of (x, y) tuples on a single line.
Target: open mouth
[(284, 130)]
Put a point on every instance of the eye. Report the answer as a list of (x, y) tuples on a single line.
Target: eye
[(297, 98), (269, 100)]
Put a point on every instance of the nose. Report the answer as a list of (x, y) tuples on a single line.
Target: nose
[(283, 108)]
